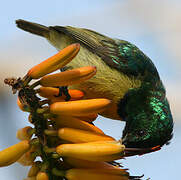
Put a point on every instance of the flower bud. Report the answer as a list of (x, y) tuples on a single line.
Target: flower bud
[(90, 118), (11, 154), (55, 62), (102, 166), (50, 92), (73, 122), (69, 77), (80, 107), (24, 133), (92, 174), (42, 176), (27, 159), (93, 151), (81, 136), (22, 107), (34, 169)]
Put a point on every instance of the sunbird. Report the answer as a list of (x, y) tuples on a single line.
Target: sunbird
[(125, 75)]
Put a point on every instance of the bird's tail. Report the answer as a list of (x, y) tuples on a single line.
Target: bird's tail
[(33, 28)]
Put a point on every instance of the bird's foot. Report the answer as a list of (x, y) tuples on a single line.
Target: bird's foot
[(64, 90)]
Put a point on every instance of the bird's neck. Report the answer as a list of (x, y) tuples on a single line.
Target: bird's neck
[(138, 99)]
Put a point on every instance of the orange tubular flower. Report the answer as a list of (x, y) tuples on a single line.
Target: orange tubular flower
[(34, 169), (80, 163), (102, 166), (13, 153), (81, 136), (50, 92), (42, 176), (24, 133), (23, 107), (90, 118), (72, 122), (93, 151), (63, 136), (55, 62), (80, 107), (27, 159), (68, 77), (92, 174), (30, 178)]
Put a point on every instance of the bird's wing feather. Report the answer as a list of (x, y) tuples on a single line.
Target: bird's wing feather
[(118, 54)]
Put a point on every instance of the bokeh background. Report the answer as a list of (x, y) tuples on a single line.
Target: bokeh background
[(153, 25)]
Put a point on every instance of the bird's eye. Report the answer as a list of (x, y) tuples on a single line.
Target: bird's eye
[(141, 133)]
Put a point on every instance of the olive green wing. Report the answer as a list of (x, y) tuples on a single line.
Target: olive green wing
[(118, 54)]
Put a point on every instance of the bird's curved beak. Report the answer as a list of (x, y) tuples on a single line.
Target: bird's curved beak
[(140, 151), (131, 150)]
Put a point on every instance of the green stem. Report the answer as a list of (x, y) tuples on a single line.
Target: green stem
[(26, 79), (49, 150), (57, 172), (31, 131), (50, 132), (35, 84), (46, 101), (55, 156), (35, 142), (42, 110), (49, 115)]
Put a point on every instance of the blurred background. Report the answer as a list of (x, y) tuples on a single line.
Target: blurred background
[(153, 25)]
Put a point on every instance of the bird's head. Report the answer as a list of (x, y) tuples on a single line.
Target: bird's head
[(147, 133), (148, 119)]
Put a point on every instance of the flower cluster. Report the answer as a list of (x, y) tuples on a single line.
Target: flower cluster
[(63, 142)]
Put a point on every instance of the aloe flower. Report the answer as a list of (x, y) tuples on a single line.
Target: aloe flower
[(62, 134)]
